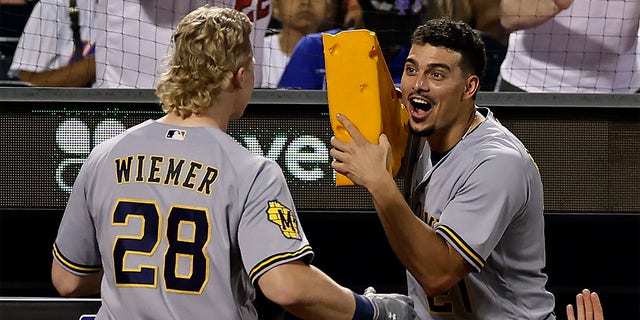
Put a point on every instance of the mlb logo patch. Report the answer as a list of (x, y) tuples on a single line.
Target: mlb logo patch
[(176, 134)]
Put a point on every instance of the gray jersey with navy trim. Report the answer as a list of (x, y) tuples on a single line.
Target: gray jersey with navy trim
[(183, 220), (485, 199)]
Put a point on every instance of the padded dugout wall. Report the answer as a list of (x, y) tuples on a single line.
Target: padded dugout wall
[(586, 146)]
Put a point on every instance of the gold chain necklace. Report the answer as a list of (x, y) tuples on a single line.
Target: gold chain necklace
[(471, 127)]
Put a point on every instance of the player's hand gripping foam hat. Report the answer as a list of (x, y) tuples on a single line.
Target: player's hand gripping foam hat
[(359, 85)]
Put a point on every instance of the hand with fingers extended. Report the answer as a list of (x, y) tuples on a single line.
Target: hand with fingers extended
[(390, 306), (358, 159), (588, 307)]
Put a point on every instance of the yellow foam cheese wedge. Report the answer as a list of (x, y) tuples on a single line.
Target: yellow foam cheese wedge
[(359, 85)]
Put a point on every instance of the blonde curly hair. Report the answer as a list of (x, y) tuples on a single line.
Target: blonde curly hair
[(209, 45)]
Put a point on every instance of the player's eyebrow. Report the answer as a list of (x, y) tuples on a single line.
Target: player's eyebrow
[(432, 65), (444, 66), (411, 60)]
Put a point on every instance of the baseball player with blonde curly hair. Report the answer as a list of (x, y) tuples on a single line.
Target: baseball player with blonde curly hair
[(173, 219)]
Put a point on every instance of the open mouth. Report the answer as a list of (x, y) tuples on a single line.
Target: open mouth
[(421, 104)]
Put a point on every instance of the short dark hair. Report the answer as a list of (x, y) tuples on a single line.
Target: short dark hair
[(457, 36)]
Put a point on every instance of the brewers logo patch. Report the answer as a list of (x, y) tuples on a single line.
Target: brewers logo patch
[(284, 218)]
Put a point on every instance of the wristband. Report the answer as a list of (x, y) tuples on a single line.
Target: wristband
[(364, 308)]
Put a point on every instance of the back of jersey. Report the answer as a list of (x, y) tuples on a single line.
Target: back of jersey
[(184, 221)]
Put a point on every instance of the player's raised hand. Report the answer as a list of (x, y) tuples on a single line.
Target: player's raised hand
[(390, 306), (588, 307), (359, 159)]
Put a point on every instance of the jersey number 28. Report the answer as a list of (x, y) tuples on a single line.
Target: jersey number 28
[(179, 246)]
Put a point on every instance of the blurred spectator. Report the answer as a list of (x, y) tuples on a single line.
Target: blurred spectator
[(484, 17), (353, 14), (133, 37), (588, 46), (13, 17), (297, 19), (392, 21), (305, 69), (49, 54)]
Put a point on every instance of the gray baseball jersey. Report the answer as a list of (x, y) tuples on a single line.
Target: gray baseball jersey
[(182, 220), (485, 198)]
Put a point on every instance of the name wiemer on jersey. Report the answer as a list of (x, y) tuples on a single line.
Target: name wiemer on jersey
[(157, 169)]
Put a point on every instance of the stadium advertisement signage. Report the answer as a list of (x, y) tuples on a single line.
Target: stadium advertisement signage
[(45, 145)]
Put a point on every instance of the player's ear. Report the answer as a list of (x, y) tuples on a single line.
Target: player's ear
[(471, 87), (238, 78)]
